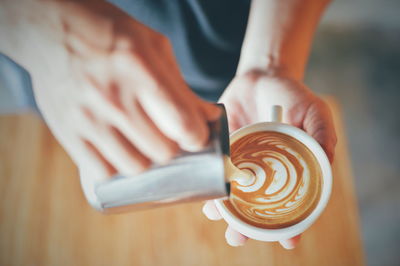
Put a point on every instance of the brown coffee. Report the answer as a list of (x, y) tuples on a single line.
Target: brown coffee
[(286, 180)]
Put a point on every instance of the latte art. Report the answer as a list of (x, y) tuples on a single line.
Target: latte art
[(286, 180)]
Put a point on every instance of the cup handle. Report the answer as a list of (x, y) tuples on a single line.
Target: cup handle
[(276, 114)]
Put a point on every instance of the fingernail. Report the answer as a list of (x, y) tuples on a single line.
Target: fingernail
[(234, 244), (191, 147), (234, 238), (211, 212), (290, 243), (287, 245), (194, 146)]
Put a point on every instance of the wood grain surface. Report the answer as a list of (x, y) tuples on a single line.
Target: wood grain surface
[(45, 220)]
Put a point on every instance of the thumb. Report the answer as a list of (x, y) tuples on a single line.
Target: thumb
[(210, 111), (233, 123), (318, 123), (235, 114)]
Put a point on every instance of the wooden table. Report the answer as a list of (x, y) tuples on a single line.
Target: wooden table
[(45, 220)]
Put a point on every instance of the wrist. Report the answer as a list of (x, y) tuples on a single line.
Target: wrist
[(272, 57), (21, 25), (279, 35), (271, 67)]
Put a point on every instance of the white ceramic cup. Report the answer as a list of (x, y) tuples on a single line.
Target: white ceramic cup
[(296, 229)]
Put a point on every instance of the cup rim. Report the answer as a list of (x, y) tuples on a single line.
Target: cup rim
[(263, 234)]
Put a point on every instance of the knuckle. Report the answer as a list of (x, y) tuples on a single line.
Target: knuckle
[(119, 59), (123, 60), (161, 43), (160, 39), (89, 115), (123, 43)]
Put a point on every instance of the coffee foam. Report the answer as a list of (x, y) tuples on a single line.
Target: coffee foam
[(286, 180)]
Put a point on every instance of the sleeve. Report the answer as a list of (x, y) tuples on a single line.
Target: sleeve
[(16, 93)]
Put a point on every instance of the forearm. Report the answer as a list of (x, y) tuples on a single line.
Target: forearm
[(279, 36)]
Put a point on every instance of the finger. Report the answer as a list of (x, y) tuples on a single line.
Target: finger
[(177, 117), (140, 161), (167, 72), (235, 114), (234, 238), (109, 141), (318, 123), (98, 160), (145, 135), (118, 152), (211, 111), (175, 120), (290, 243), (90, 161), (129, 118), (233, 123), (82, 151), (211, 211), (169, 65)]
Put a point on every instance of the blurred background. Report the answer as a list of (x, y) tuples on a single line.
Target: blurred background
[(356, 58)]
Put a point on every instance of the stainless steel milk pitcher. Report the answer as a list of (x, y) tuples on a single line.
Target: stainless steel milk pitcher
[(192, 176)]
